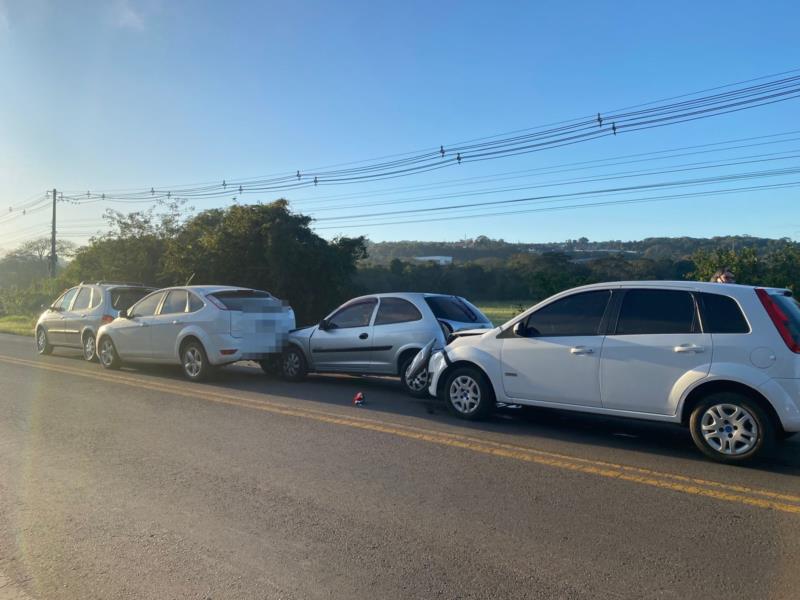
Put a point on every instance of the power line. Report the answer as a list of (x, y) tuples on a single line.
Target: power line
[(577, 131)]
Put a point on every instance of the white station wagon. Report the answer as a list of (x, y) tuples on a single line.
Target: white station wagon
[(722, 359), (198, 327)]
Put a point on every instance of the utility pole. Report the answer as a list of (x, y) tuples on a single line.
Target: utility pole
[(53, 257)]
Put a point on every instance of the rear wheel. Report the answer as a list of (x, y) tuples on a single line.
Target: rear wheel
[(108, 354), (89, 347), (42, 344), (293, 364), (731, 428), (194, 361), (469, 394), (415, 386)]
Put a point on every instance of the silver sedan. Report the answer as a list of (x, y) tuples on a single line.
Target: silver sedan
[(379, 334)]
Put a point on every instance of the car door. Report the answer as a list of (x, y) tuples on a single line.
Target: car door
[(553, 355), (75, 317), (344, 343), (132, 334), (56, 318), (167, 324), (397, 323), (656, 342)]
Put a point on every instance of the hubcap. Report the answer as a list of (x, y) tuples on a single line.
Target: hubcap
[(107, 352), (291, 364), (465, 394), (192, 362), (41, 340), (730, 429), (418, 383), (88, 347)]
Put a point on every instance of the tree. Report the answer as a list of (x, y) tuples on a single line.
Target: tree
[(266, 246)]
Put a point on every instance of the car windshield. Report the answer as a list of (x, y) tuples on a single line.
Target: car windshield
[(248, 301), (122, 298), (453, 308)]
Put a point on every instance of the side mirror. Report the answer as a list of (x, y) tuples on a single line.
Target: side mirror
[(323, 325), (520, 329), (123, 314)]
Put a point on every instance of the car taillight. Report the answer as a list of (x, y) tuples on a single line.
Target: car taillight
[(217, 302), (779, 319), (106, 319)]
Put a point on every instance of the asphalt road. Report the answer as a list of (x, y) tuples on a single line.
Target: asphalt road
[(136, 484)]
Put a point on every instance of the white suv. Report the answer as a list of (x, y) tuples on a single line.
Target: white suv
[(722, 359)]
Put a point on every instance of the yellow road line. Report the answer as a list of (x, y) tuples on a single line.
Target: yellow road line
[(787, 503)]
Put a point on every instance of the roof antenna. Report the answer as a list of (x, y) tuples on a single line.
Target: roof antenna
[(188, 281)]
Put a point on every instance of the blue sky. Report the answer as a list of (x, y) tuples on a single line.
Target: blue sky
[(134, 93)]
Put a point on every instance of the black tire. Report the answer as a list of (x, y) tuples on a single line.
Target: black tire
[(89, 345), (271, 365), (418, 387), (194, 361), (731, 428), (43, 345), (474, 399), (293, 364), (108, 354)]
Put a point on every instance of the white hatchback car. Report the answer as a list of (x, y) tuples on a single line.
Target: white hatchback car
[(722, 359), (198, 327)]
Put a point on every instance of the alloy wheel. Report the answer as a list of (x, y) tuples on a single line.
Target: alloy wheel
[(465, 394), (192, 361), (41, 340), (418, 383), (89, 347), (729, 429), (291, 364), (107, 352)]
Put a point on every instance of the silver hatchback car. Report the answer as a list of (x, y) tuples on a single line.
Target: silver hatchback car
[(379, 334), (73, 319)]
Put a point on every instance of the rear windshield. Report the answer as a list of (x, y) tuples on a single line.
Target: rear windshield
[(249, 301), (452, 308), (122, 298), (791, 308)]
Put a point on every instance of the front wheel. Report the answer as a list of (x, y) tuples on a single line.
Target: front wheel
[(415, 386), (194, 361), (469, 395), (108, 354), (731, 428), (42, 344), (293, 365)]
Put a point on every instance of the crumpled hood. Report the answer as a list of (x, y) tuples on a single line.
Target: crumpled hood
[(302, 332)]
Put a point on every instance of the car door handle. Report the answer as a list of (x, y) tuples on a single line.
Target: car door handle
[(177, 322), (363, 336), (683, 348), (143, 324), (577, 350)]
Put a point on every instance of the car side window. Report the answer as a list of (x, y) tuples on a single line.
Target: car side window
[(357, 314), (175, 303), (657, 312), (721, 314), (66, 299), (97, 298), (578, 314), (396, 310), (195, 303), (146, 307), (83, 299)]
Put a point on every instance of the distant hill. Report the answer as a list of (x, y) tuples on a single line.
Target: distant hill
[(675, 248)]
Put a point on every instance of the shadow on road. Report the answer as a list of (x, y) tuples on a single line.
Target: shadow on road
[(384, 395)]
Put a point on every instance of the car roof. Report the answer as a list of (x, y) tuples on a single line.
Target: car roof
[(404, 295), (209, 289), (731, 289)]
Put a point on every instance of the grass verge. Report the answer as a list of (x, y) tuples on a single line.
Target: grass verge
[(17, 324), (501, 311)]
